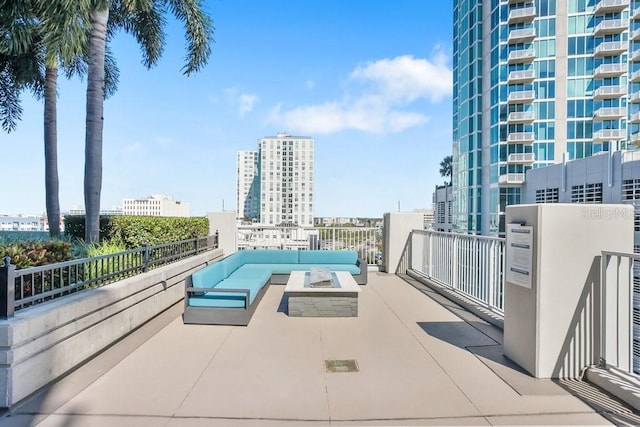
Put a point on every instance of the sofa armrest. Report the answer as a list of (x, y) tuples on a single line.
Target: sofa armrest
[(192, 290), (361, 278)]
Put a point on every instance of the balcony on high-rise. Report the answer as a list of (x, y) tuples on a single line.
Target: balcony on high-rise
[(521, 97), (634, 118), (520, 56), (609, 92), (635, 15), (611, 48), (611, 26), (634, 98), (635, 56), (519, 1), (521, 117), (609, 113), (610, 70), (610, 6), (511, 178), (520, 158), (635, 77), (517, 16), (520, 137), (635, 138), (635, 35), (604, 135), (522, 35), (521, 76)]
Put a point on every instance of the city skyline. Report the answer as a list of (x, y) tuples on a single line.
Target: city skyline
[(371, 82)]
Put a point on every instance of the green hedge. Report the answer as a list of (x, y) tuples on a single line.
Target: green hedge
[(134, 231)]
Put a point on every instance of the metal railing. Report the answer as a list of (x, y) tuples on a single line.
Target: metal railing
[(619, 323), (470, 265), (35, 285), (367, 241)]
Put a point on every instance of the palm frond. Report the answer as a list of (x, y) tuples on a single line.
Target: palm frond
[(199, 31)]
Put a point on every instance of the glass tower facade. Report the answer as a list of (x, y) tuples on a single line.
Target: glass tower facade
[(533, 80)]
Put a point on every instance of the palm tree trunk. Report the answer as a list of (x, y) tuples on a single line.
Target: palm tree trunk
[(51, 151), (93, 139)]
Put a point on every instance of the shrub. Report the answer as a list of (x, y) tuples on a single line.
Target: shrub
[(31, 254), (134, 231)]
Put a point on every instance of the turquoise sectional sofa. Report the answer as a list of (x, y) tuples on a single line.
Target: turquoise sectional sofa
[(227, 292)]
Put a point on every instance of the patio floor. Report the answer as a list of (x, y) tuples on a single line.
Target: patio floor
[(421, 361)]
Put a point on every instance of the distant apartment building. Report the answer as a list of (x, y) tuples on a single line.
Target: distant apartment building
[(248, 188), (442, 208), (534, 80), (155, 205), (21, 223), (427, 214), (79, 210), (281, 190), (608, 177)]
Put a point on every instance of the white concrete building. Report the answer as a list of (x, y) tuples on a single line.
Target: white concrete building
[(248, 186), (79, 210), (429, 219), (21, 223), (442, 208), (282, 194), (155, 205)]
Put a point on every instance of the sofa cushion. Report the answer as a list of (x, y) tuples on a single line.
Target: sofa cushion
[(351, 268), (279, 268), (233, 262), (328, 257), (219, 300), (257, 272), (209, 276), (269, 256)]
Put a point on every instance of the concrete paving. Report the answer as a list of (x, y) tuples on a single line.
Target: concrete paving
[(419, 363)]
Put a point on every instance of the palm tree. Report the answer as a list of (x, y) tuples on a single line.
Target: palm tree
[(144, 19), (38, 38), (446, 166)]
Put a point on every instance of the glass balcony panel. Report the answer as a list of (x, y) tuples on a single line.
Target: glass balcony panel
[(611, 26), (610, 6), (524, 76), (608, 92), (611, 48), (610, 70), (518, 158), (609, 135), (526, 14)]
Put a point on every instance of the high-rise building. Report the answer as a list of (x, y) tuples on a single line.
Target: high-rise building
[(155, 205), (248, 188), (534, 79), (281, 190)]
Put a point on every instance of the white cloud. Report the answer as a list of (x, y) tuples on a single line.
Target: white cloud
[(384, 93), (405, 78), (246, 102), (243, 102)]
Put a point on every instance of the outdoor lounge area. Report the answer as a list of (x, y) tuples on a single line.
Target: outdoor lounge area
[(420, 359)]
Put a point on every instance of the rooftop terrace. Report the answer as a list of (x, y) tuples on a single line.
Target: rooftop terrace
[(421, 360)]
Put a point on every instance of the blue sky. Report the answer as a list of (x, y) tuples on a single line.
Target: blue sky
[(370, 81)]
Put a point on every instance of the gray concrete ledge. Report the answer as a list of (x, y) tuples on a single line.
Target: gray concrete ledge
[(623, 385), (40, 344)]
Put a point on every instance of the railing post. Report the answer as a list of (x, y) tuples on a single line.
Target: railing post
[(216, 240), (196, 244), (7, 288), (145, 257), (454, 263)]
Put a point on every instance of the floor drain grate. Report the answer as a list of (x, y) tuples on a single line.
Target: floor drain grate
[(333, 366)]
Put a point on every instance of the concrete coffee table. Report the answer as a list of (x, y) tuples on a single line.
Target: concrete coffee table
[(340, 301)]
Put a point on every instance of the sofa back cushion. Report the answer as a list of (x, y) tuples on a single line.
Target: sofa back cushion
[(328, 257), (233, 262), (269, 256), (209, 276)]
